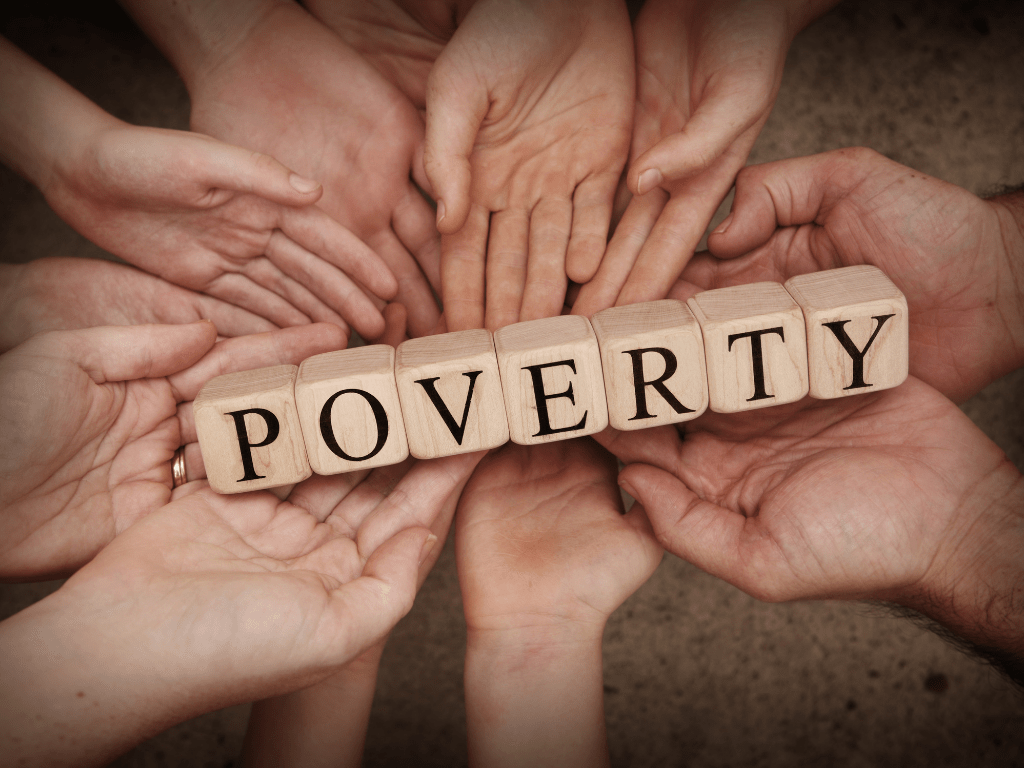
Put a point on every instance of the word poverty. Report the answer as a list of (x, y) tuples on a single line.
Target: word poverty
[(829, 334)]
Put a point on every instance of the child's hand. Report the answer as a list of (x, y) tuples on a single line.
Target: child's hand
[(223, 220), (529, 109), (215, 600), (91, 422), (544, 556), (61, 294)]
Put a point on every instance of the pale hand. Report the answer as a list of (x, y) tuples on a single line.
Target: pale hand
[(92, 419), (222, 220), (292, 89), (528, 124), (958, 259)]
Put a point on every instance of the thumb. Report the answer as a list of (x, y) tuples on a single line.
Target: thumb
[(455, 110), (363, 611), (242, 170), (114, 353)]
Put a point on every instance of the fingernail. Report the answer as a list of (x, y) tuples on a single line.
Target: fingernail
[(440, 211), (303, 185), (428, 547), (648, 180), (627, 488), (723, 226)]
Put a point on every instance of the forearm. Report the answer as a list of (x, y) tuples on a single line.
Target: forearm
[(535, 698), (320, 726), (44, 119), (196, 34)]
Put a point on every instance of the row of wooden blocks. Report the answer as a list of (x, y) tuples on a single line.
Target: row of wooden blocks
[(832, 334)]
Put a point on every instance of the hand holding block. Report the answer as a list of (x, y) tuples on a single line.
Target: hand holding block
[(552, 379), (857, 330), (349, 410), (451, 394), (755, 346), (249, 432), (653, 360)]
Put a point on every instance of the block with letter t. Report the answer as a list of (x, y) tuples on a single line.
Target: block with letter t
[(857, 330), (755, 346), (349, 410), (451, 394), (653, 359), (552, 379), (249, 432)]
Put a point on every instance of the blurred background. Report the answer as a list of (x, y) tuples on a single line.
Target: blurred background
[(696, 672)]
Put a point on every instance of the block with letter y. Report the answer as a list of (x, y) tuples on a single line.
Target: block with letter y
[(248, 429)]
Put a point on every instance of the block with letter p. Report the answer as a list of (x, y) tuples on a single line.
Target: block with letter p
[(857, 330), (552, 379), (349, 409), (248, 429), (451, 394), (755, 346), (653, 359)]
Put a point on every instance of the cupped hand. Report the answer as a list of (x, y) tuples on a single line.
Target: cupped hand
[(62, 294), (91, 421), (958, 259), (892, 495), (541, 541), (707, 78), (528, 125), (292, 89), (222, 220)]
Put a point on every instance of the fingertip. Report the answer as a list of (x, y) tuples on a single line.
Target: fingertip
[(306, 187)]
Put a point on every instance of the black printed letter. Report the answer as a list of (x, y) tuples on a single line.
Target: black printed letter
[(273, 430), (542, 398), (458, 430), (758, 356), (640, 385), (856, 354), (327, 429)]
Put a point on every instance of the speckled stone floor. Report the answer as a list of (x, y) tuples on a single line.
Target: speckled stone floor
[(696, 672)]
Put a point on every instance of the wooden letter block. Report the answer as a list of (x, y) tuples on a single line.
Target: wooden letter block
[(451, 394), (349, 410), (857, 330), (249, 431), (552, 380), (755, 346), (653, 359)]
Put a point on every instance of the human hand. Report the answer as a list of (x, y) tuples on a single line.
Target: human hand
[(215, 600), (545, 555), (91, 421), (894, 495), (61, 294), (528, 124), (707, 78), (958, 259), (291, 88)]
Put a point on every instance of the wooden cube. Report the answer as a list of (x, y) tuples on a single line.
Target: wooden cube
[(552, 380), (857, 330), (248, 429), (349, 410), (755, 346), (653, 359), (451, 394)]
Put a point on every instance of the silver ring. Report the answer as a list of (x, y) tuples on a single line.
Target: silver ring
[(178, 468)]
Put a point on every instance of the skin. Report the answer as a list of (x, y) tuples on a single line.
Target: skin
[(545, 555), (202, 214), (707, 78), (92, 420), (528, 127), (171, 619), (269, 77), (958, 259), (61, 294)]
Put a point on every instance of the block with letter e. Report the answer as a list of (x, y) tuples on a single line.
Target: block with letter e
[(552, 379), (857, 330), (653, 359), (754, 344), (248, 429), (451, 394), (349, 410)]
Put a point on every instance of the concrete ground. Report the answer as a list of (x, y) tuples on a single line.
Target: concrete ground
[(696, 672)]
